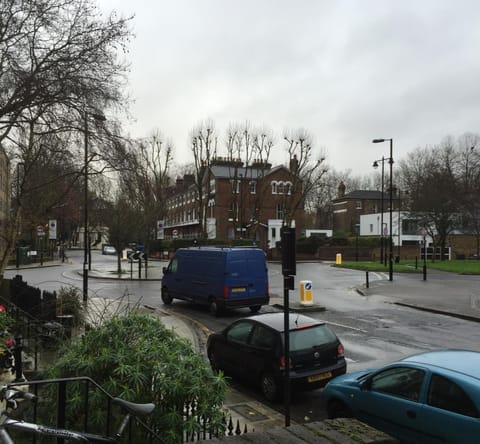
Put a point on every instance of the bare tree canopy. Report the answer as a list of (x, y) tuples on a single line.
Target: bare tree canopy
[(60, 62), (57, 56)]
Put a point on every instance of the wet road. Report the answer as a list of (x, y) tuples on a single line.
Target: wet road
[(373, 329)]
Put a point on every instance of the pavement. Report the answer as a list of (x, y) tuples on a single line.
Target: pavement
[(443, 293)]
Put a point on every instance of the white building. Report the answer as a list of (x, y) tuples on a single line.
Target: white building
[(405, 229)]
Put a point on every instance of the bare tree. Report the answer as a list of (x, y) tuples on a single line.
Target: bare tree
[(146, 180), (307, 171), (204, 149), (248, 152), (58, 60), (429, 175)]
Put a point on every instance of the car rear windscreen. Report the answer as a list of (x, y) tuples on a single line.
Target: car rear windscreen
[(311, 337)]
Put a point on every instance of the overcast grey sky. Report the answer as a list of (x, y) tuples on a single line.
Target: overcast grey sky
[(347, 71)]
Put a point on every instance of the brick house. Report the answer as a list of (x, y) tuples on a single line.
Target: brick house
[(241, 201), (347, 208)]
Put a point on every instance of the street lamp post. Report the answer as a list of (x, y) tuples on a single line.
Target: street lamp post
[(86, 242), (390, 240), (375, 165)]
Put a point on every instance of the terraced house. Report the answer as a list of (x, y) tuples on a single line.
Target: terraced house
[(238, 202)]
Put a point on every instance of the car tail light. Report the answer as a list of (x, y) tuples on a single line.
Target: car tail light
[(225, 291), (282, 362), (340, 350)]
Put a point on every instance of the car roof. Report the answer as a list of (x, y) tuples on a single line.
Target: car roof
[(461, 361), (276, 320)]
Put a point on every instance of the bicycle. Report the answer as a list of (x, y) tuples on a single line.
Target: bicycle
[(11, 395)]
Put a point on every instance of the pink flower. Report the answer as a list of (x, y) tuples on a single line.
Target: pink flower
[(9, 342)]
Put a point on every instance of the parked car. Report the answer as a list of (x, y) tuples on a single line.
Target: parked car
[(220, 277), (430, 397), (108, 249), (253, 348)]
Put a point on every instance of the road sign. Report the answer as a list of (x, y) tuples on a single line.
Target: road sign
[(175, 233), (52, 229), (40, 230)]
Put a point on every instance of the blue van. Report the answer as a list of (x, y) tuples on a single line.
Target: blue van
[(221, 278)]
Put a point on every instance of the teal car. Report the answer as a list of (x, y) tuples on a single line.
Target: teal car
[(431, 397)]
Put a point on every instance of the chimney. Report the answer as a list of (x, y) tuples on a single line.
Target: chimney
[(341, 190)]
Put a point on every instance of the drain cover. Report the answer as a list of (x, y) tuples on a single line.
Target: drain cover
[(248, 412)]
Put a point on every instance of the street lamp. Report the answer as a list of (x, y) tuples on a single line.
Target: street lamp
[(375, 165), (86, 242), (390, 240)]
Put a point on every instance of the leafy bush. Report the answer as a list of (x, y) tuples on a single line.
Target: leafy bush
[(137, 358), (68, 303)]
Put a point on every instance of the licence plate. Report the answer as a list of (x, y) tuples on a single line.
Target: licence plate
[(238, 289), (319, 377)]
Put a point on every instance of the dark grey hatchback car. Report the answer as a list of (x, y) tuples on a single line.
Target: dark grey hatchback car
[(253, 349)]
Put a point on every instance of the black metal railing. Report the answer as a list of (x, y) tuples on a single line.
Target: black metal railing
[(79, 404)]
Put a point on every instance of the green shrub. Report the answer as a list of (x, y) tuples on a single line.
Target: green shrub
[(68, 303), (137, 358)]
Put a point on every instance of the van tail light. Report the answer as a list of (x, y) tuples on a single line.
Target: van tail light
[(282, 362), (225, 291), (340, 350)]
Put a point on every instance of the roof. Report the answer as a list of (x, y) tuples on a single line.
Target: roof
[(462, 361), (249, 172), (276, 320), (231, 171), (363, 195)]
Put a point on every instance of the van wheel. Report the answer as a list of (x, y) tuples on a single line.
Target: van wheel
[(269, 386), (166, 298), (213, 307), (255, 308)]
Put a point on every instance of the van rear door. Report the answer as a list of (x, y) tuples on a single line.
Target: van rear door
[(246, 274)]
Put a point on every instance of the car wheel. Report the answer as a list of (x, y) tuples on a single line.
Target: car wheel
[(166, 298), (338, 409), (255, 308), (212, 357), (270, 388), (213, 307)]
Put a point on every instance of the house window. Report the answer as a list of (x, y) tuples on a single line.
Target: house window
[(274, 232), (235, 184), (274, 187), (253, 187), (371, 228), (359, 205), (288, 188), (280, 211)]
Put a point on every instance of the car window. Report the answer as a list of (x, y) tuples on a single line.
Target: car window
[(239, 332), (445, 394), (404, 382), (311, 337), (263, 337)]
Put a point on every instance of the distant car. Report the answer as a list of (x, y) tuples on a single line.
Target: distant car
[(108, 249), (430, 397), (253, 348)]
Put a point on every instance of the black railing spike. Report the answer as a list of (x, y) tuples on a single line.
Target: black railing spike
[(238, 430), (230, 427), (245, 429)]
